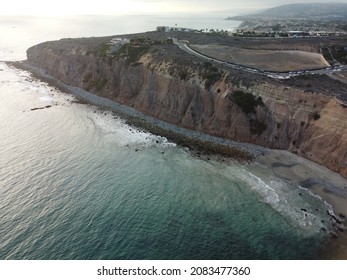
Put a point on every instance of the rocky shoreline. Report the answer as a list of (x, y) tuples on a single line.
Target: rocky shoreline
[(198, 141), (320, 181), (330, 186), (302, 115)]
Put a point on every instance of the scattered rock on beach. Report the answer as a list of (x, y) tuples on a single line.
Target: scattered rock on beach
[(334, 218), (340, 229), (40, 108)]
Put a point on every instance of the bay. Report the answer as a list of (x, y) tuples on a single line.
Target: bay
[(76, 182)]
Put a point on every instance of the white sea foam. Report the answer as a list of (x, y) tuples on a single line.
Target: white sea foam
[(114, 129), (284, 198), (46, 98), (55, 175)]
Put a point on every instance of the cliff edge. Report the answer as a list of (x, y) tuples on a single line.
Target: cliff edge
[(305, 115)]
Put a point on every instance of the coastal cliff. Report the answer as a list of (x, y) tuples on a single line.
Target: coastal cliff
[(162, 81)]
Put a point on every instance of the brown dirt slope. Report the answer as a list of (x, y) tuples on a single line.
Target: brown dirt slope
[(271, 60)]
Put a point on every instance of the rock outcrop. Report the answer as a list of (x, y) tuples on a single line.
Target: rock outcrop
[(273, 114)]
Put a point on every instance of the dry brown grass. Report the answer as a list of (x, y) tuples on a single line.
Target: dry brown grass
[(271, 60)]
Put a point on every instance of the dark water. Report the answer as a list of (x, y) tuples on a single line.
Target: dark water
[(77, 183)]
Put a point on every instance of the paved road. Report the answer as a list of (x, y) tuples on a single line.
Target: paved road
[(271, 74)]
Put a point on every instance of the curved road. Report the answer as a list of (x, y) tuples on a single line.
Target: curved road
[(275, 75)]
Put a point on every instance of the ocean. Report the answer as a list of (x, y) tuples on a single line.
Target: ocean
[(77, 182)]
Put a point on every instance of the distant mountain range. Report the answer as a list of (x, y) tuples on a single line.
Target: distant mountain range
[(318, 11)]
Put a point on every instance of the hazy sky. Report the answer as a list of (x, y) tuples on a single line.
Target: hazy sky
[(71, 7)]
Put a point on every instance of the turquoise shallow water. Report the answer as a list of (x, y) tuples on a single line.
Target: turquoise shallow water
[(77, 183)]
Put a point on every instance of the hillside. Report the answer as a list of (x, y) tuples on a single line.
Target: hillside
[(155, 77), (308, 11)]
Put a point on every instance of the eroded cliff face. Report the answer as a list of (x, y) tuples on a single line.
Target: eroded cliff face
[(309, 124)]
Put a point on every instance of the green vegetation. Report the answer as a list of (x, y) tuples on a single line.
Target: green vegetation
[(98, 85), (138, 47), (247, 101), (101, 84), (316, 116), (246, 34), (132, 52), (183, 75), (304, 77), (338, 52), (211, 74), (87, 77), (103, 49), (277, 27), (257, 126)]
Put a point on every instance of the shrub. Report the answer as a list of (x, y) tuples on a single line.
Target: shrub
[(132, 52), (211, 74), (97, 84), (247, 101), (183, 75), (101, 84), (103, 49), (87, 77), (207, 64), (316, 116), (257, 127), (91, 85), (211, 78)]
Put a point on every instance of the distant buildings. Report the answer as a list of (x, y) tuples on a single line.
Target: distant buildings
[(286, 33), (185, 29), (290, 28), (117, 43), (266, 30)]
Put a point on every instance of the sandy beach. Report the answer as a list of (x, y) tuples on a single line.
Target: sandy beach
[(330, 186)]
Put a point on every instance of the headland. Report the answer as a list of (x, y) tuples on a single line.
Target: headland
[(211, 106)]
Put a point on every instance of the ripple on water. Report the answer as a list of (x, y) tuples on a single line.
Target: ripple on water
[(78, 183)]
